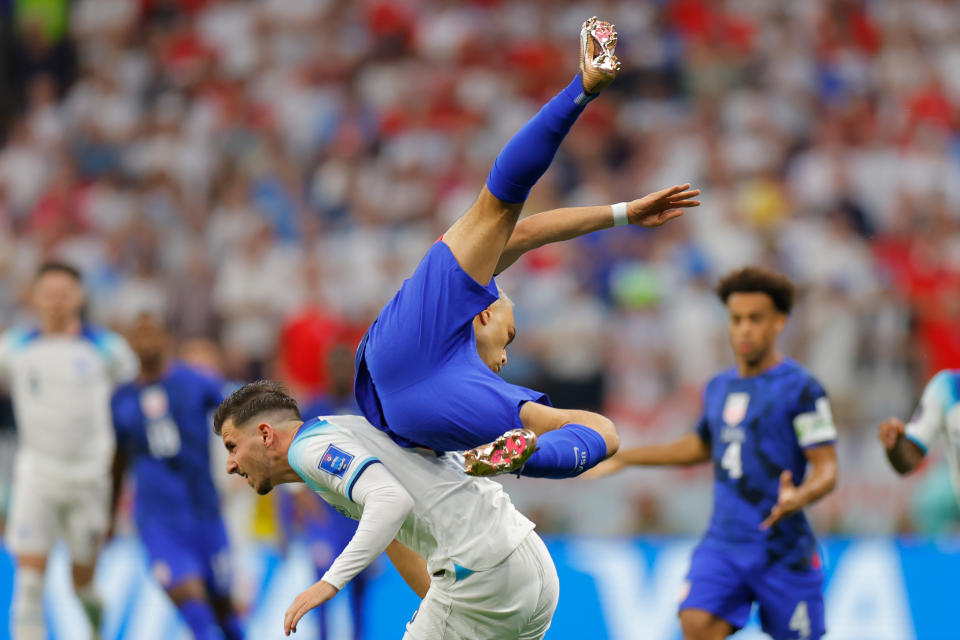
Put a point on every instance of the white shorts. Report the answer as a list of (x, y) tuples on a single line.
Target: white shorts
[(515, 599), (40, 514)]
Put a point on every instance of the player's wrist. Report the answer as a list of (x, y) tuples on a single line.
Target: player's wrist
[(619, 211)]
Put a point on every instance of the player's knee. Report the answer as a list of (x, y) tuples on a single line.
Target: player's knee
[(610, 436), (188, 590)]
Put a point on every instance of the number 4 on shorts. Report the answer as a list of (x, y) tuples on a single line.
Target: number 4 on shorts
[(800, 620)]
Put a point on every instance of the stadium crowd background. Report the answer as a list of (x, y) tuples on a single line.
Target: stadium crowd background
[(264, 174)]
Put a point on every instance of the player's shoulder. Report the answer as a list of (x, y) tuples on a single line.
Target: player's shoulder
[(790, 374), (945, 385), (721, 379), (186, 372), (16, 338), (104, 340)]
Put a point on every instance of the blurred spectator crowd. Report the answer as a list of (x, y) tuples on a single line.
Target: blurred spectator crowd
[(265, 174)]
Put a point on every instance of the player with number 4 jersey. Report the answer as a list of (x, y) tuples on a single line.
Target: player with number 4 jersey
[(764, 423)]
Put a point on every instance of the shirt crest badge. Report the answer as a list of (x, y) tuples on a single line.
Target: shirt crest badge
[(735, 408)]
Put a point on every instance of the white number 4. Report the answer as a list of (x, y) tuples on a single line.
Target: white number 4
[(731, 461), (800, 620)]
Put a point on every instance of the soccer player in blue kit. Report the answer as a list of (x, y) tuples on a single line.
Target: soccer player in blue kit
[(763, 423), (162, 421), (427, 368)]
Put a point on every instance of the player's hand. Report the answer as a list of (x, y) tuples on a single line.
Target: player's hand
[(890, 431), (788, 502), (312, 597), (605, 468), (662, 206)]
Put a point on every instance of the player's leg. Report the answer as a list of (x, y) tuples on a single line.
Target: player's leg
[(358, 592), (86, 518), (477, 239), (791, 603), (32, 527), (718, 598), (218, 577), (568, 442), (190, 598)]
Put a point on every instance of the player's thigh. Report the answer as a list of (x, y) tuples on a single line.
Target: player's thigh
[(32, 523), (477, 239), (430, 620), (549, 596), (698, 624), (86, 518), (715, 585), (791, 603)]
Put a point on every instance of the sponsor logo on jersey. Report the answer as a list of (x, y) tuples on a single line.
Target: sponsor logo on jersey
[(335, 461), (735, 408)]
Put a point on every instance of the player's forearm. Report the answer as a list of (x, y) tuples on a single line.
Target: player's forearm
[(384, 510), (821, 481), (411, 567), (905, 456), (685, 451), (556, 225)]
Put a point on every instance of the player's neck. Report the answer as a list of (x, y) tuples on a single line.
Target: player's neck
[(69, 326), (150, 372), (749, 370), (286, 436)]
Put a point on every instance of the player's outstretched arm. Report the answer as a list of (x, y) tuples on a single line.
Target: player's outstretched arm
[(411, 567), (568, 223), (904, 454), (386, 504), (689, 449), (820, 481)]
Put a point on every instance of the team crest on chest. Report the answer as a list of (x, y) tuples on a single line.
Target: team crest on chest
[(735, 408)]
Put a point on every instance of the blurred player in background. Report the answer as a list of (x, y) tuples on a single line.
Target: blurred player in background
[(163, 431), (763, 422), (339, 398), (61, 374), (938, 413), (428, 367), (458, 541)]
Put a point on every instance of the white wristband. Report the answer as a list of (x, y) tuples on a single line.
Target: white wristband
[(619, 214)]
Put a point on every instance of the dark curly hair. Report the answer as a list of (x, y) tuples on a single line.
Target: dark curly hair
[(759, 280)]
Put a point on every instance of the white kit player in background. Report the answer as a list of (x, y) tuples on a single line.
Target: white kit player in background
[(938, 413), (481, 570), (60, 375)]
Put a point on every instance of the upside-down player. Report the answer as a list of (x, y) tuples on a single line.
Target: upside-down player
[(427, 369), (764, 421)]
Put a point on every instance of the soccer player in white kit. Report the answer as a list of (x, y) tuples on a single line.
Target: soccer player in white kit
[(486, 574), (60, 375), (938, 413)]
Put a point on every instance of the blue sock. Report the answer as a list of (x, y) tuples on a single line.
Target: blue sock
[(199, 616), (565, 452), (232, 627), (530, 151)]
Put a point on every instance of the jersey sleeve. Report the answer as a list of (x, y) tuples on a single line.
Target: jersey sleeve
[(928, 418), (813, 423), (328, 459), (122, 362)]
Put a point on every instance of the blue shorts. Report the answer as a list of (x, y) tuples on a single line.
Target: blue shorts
[(418, 374), (727, 584), (178, 554)]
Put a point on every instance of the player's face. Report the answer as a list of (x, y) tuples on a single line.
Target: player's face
[(754, 326), (57, 297), (248, 455), (148, 339), (495, 329)]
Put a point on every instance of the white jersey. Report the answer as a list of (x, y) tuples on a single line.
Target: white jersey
[(457, 521), (939, 413), (61, 387)]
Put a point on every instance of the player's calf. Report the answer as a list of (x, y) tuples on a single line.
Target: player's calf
[(27, 613)]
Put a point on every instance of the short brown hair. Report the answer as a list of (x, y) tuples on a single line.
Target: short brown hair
[(54, 266), (758, 280), (251, 400)]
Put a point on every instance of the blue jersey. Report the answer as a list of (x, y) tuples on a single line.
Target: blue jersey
[(164, 428), (419, 376), (757, 427)]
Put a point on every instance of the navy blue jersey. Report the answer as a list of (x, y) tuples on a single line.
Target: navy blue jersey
[(419, 376), (164, 429), (757, 427)]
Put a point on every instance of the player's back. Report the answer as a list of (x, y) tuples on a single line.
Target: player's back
[(61, 386), (469, 521), (164, 426), (758, 427)]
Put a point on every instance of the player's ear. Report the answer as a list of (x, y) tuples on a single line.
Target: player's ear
[(484, 316), (265, 432)]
